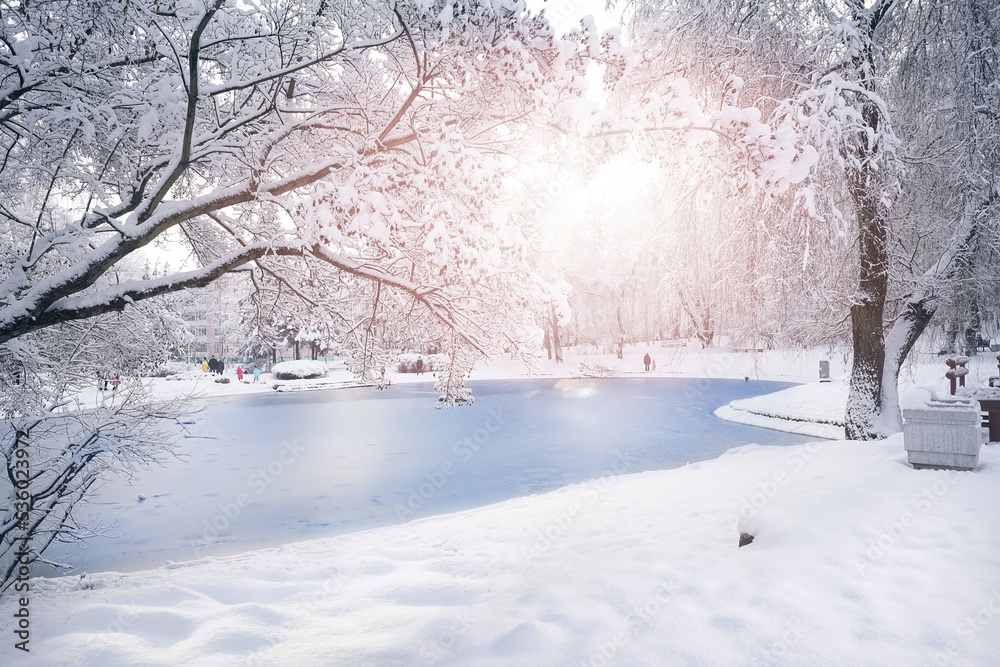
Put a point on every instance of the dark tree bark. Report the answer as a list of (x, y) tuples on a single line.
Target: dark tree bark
[(867, 313)]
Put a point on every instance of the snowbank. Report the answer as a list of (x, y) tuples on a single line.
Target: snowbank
[(812, 409), (803, 427), (857, 560)]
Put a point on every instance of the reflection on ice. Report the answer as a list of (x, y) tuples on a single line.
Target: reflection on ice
[(576, 388)]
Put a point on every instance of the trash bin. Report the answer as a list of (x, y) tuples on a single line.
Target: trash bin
[(824, 371), (943, 434)]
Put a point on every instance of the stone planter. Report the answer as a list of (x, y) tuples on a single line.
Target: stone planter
[(943, 434)]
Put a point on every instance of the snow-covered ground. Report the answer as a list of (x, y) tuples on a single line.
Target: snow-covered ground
[(858, 559)]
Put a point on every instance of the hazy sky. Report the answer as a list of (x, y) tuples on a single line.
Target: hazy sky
[(566, 14)]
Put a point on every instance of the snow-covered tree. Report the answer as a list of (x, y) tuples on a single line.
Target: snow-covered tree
[(351, 155), (897, 96), (74, 412), (367, 139)]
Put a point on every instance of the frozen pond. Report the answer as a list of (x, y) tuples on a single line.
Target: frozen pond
[(267, 469)]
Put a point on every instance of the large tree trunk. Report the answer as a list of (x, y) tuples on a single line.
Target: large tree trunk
[(866, 184), (864, 398)]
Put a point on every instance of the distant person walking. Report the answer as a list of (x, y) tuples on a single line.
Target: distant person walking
[(204, 365), (221, 367), (213, 364), (239, 372), (115, 381), (420, 365), (256, 374), (647, 360)]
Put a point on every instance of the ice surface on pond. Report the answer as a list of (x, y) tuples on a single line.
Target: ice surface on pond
[(268, 469)]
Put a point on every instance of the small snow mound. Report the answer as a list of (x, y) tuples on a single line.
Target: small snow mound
[(529, 637), (299, 370), (188, 375), (175, 368)]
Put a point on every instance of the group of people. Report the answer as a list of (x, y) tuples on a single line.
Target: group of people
[(213, 365), (103, 380), (218, 366)]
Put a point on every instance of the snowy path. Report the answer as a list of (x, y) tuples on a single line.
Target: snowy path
[(269, 469)]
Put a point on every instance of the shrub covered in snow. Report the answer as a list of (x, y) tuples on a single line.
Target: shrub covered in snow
[(175, 368), (407, 363), (188, 375), (299, 370)]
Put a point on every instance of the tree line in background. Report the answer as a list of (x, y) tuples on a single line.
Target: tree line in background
[(374, 171)]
